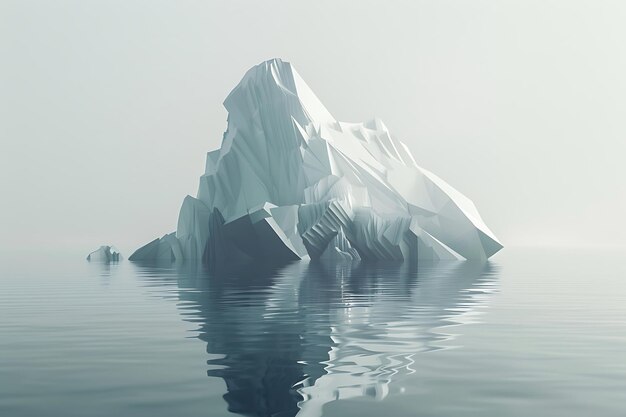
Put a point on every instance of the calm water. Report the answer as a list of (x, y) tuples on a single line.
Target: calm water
[(532, 333)]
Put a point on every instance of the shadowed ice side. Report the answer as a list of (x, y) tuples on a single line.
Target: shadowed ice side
[(288, 340)]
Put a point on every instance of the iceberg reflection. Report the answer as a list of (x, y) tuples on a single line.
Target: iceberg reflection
[(288, 340)]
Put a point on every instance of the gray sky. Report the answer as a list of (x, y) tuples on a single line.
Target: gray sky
[(108, 107)]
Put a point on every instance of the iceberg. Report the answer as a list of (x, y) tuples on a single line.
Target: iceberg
[(291, 182), (105, 254)]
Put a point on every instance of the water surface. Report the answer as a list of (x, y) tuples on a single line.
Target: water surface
[(533, 332)]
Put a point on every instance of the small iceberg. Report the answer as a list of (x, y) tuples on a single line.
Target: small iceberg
[(105, 254)]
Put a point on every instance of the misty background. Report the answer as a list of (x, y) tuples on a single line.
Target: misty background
[(107, 108)]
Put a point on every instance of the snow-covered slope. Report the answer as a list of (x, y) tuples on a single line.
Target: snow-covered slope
[(290, 181)]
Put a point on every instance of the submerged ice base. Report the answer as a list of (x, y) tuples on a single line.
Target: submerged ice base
[(290, 182)]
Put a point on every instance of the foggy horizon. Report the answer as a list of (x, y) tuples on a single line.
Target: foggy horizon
[(108, 112)]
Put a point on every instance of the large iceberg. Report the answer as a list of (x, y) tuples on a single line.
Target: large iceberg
[(291, 182)]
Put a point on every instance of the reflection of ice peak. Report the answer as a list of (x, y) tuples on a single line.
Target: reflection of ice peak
[(287, 341)]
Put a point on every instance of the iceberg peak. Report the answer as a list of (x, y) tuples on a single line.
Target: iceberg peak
[(289, 181)]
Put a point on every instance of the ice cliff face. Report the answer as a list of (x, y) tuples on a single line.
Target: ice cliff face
[(290, 181)]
